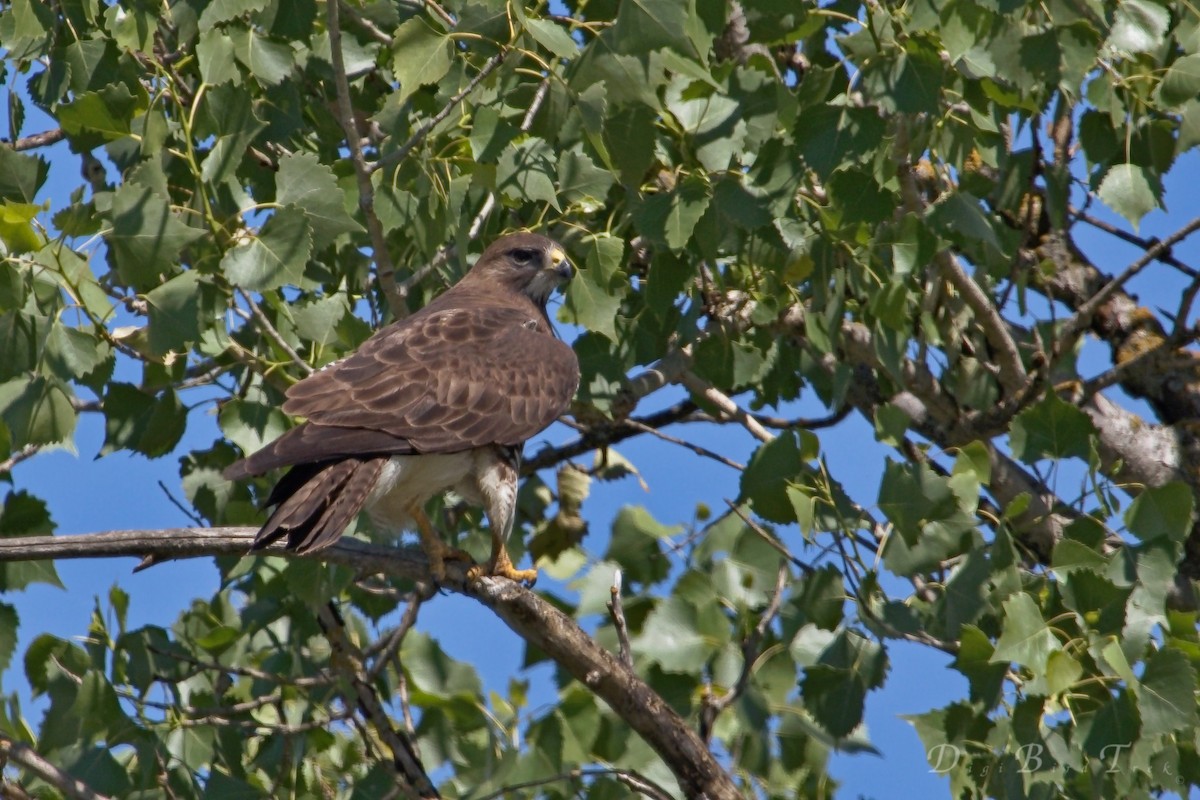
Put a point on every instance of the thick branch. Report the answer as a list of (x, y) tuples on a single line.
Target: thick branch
[(29, 760), (531, 617)]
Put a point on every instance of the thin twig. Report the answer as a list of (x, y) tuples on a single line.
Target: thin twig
[(42, 139), (1125, 236), (273, 334), (1083, 315), (400, 153), (367, 25), (347, 659), (639, 783), (384, 269), (695, 448), (751, 649), (26, 452), (392, 642), (617, 611), (770, 539)]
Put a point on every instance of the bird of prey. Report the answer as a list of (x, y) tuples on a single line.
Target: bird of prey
[(443, 399)]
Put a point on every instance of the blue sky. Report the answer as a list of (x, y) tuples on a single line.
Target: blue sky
[(87, 494)]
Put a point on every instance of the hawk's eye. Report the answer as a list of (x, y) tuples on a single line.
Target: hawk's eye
[(523, 255)]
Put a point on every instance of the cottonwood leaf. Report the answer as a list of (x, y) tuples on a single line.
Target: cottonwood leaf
[(147, 236), (277, 256), (1026, 639), (1051, 429), (1129, 190), (420, 55), (1166, 694), (1162, 511), (311, 186)]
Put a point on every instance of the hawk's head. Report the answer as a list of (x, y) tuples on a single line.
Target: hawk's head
[(524, 262)]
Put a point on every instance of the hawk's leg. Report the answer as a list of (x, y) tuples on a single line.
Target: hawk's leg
[(497, 483), (501, 564), (437, 551)]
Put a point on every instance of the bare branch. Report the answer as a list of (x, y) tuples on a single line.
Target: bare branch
[(26, 452), (697, 385), (526, 613), (1082, 317), (347, 659), (399, 154), (28, 758), (751, 649), (43, 139), (385, 270), (274, 335), (617, 611)]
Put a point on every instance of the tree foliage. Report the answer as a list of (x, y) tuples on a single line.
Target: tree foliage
[(871, 208)]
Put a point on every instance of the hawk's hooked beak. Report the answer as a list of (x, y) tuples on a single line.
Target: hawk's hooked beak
[(559, 264)]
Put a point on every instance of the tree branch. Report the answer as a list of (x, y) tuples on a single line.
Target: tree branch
[(28, 758), (384, 269), (526, 613)]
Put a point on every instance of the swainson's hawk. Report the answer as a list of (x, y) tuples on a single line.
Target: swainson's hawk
[(443, 399)]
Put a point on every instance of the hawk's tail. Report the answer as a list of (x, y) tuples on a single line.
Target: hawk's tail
[(315, 502)]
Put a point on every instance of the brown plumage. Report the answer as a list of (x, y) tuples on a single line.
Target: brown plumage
[(443, 399)]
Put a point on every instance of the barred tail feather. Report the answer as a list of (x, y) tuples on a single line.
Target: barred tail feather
[(315, 502)]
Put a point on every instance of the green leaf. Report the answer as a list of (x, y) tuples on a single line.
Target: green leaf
[(16, 227), (765, 479), (671, 639), (142, 422), (528, 172), (1130, 191), (220, 11), (311, 186), (277, 256), (835, 688), (635, 545), (37, 410), (73, 353), (420, 56), (174, 311), (1139, 26), (230, 115), (646, 25), (594, 296), (21, 175), (25, 515), (1182, 81), (268, 61), (147, 237), (1026, 639), (1162, 511), (629, 136), (974, 660), (215, 52), (1166, 694), (1052, 429), (98, 117), (580, 181), (550, 35)]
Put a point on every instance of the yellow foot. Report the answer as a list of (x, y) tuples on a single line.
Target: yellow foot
[(503, 567), (439, 555)]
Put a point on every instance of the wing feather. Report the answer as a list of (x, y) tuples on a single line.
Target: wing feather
[(440, 382)]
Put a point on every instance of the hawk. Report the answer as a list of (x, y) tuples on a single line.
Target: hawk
[(443, 399)]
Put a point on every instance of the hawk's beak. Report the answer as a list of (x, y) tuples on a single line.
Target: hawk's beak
[(559, 264)]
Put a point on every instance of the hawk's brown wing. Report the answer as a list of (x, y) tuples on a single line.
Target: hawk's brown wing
[(440, 382)]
